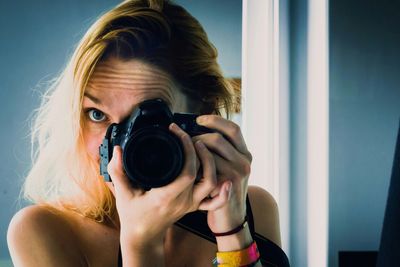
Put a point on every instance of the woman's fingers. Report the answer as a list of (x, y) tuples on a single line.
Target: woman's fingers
[(228, 128), (208, 181), (188, 175), (219, 200), (218, 144), (122, 185), (228, 161)]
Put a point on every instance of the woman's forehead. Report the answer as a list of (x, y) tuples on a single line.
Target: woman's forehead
[(126, 74), (134, 77)]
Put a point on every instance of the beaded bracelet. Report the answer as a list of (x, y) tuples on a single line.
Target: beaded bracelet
[(240, 258)]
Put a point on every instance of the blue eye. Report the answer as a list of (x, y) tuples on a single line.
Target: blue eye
[(96, 115)]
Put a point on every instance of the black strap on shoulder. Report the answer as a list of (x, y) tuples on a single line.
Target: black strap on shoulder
[(271, 254), (196, 222), (119, 256)]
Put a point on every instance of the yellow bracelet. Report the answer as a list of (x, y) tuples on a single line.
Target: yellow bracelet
[(238, 258)]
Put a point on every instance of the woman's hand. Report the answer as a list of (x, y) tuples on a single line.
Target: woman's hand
[(233, 162), (146, 215)]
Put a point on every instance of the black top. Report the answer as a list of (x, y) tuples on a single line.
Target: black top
[(196, 222)]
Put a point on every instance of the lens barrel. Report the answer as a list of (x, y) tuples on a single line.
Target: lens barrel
[(153, 157)]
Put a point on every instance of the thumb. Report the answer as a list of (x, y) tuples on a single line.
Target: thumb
[(219, 200), (115, 168)]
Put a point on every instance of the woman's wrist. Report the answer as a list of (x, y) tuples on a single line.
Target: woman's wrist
[(234, 230), (237, 241), (247, 257)]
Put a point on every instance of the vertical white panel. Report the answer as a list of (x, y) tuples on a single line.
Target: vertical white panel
[(258, 91), (317, 133), (265, 104), (281, 44), (276, 97)]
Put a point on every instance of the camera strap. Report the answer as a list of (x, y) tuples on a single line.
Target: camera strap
[(271, 254)]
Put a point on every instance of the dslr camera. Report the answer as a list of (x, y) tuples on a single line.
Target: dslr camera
[(152, 156)]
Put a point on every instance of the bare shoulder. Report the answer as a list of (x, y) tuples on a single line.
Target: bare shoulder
[(41, 236), (265, 213)]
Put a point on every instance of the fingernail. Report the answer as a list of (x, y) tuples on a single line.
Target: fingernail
[(173, 126), (200, 119)]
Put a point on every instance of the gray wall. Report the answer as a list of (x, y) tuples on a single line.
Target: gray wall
[(222, 20), (364, 117), (36, 39)]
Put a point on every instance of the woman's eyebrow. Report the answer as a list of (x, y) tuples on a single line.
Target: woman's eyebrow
[(93, 98)]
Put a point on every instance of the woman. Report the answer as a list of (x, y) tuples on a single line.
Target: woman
[(140, 50)]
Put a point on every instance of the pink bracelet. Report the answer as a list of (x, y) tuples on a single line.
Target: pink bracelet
[(245, 257)]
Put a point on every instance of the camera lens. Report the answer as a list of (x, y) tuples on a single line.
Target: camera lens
[(153, 157)]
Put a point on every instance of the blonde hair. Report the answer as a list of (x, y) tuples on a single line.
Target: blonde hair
[(160, 33)]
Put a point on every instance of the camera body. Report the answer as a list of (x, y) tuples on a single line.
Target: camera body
[(152, 156)]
